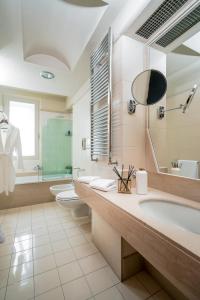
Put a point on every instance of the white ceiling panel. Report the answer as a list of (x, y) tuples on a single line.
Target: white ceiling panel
[(52, 29)]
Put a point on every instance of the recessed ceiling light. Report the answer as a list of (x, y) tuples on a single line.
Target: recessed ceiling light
[(47, 75)]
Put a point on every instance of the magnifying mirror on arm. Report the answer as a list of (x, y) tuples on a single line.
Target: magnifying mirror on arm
[(147, 88)]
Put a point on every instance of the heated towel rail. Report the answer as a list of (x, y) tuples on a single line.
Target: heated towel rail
[(101, 96)]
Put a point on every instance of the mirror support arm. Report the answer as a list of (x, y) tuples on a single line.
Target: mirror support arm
[(162, 110)]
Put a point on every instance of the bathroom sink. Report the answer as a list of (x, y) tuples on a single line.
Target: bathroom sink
[(168, 212)]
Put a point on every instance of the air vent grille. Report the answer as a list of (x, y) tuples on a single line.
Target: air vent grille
[(159, 17), (183, 26)]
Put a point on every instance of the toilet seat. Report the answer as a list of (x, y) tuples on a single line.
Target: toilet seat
[(68, 199)]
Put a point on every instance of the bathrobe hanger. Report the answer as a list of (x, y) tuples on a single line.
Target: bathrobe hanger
[(3, 120)]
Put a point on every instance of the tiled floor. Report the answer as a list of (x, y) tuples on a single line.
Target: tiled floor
[(48, 256)]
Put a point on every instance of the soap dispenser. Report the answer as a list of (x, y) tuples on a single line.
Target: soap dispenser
[(141, 182)]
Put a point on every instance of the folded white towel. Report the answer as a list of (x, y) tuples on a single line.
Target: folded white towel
[(103, 184), (87, 179), (189, 168), (105, 189)]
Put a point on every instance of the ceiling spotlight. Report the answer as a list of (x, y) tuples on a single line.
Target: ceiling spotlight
[(47, 75)]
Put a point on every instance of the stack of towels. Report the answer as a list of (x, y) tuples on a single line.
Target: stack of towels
[(98, 183), (87, 179)]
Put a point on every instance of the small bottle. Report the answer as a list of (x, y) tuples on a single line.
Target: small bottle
[(141, 182), (176, 171)]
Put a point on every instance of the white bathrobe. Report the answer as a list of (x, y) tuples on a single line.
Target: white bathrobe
[(7, 170)]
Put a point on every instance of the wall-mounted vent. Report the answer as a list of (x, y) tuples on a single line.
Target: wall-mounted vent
[(163, 13), (180, 28)]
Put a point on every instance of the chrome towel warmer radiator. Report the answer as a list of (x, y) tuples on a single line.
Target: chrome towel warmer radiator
[(101, 100)]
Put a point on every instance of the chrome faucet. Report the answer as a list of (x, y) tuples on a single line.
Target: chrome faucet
[(78, 171)]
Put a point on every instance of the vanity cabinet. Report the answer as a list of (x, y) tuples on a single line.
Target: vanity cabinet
[(180, 266), (121, 256)]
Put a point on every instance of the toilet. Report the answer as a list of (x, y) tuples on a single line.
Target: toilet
[(56, 189), (70, 200)]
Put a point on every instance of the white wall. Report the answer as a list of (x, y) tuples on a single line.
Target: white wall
[(158, 128), (128, 130)]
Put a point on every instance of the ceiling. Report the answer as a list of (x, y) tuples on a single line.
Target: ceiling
[(52, 35), (185, 56), (194, 42)]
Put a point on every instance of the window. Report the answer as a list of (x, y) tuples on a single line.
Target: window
[(24, 115)]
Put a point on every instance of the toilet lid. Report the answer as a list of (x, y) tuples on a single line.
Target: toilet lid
[(67, 195)]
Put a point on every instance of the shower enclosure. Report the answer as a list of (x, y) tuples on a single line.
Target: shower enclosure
[(56, 147)]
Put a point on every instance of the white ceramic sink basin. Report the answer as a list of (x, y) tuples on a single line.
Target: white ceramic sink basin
[(169, 212)]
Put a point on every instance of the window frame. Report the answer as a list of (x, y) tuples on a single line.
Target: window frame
[(7, 99)]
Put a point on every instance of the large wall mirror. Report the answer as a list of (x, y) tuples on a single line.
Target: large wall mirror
[(175, 121)]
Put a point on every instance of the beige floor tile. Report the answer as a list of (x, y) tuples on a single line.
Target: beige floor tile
[(44, 264), (133, 289), (161, 295), (56, 236), (3, 277), (23, 229), (70, 272), (77, 240), (39, 230), (60, 245), (72, 232), (110, 294), (37, 218), (88, 237), (20, 272), (9, 239), (92, 263), (54, 228), (39, 226), (68, 224), (55, 294), (101, 280), (38, 222), (85, 228), (22, 290), (64, 257), (21, 257), (42, 251), (23, 245), (2, 293), (150, 284), (23, 236), (5, 261), (40, 240), (77, 290), (85, 250), (65, 218), (46, 281), (6, 249)]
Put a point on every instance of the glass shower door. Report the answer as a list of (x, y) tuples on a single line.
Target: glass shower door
[(56, 149)]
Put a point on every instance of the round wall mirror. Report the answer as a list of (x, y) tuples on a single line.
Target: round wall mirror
[(149, 87)]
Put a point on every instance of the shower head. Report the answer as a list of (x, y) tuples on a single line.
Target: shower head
[(189, 99)]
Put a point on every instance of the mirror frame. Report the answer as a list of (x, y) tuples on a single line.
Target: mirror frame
[(164, 77), (180, 186)]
